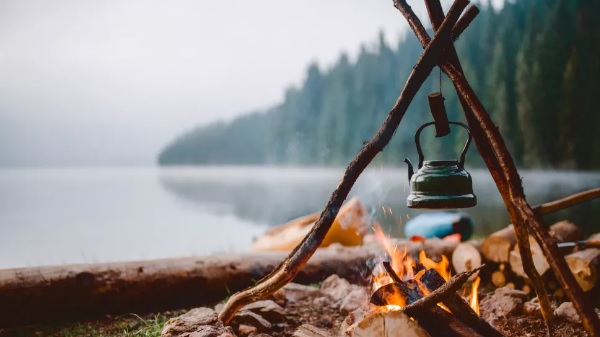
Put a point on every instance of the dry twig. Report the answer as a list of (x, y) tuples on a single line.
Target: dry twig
[(566, 202)]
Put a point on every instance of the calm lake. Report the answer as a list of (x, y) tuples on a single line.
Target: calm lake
[(58, 216)]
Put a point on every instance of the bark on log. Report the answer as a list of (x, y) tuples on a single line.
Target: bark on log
[(35, 295)]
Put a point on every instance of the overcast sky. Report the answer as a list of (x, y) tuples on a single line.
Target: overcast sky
[(104, 82)]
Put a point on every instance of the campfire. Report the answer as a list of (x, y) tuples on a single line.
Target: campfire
[(418, 297)]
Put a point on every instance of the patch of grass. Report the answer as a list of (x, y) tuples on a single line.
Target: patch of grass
[(130, 325)]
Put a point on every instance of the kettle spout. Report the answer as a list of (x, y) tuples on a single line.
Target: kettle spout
[(410, 168)]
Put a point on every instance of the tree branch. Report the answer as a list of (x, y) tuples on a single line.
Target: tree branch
[(286, 271), (570, 201)]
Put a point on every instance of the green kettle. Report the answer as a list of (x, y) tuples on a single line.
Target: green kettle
[(440, 184)]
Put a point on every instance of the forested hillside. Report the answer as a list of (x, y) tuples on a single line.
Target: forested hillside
[(535, 65)]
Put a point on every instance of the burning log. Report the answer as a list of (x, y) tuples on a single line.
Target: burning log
[(561, 231), (584, 264), (424, 309), (461, 309)]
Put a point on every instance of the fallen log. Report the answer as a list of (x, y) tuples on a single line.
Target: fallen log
[(50, 294)]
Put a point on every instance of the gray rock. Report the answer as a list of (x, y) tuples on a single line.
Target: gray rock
[(268, 309), (199, 322), (279, 297), (337, 287), (502, 302), (567, 311), (295, 292), (246, 317), (245, 330), (322, 301), (358, 298), (219, 307), (532, 307)]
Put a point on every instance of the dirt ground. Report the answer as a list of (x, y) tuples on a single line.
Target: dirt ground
[(306, 308)]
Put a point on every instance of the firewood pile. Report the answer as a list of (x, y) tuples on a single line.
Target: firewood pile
[(500, 252)]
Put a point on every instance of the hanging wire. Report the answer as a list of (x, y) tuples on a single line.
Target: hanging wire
[(440, 69)]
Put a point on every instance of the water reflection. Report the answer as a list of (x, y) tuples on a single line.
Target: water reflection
[(274, 195)]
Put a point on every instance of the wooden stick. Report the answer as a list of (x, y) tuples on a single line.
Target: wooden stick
[(391, 272), (442, 293), (465, 21), (570, 201), (293, 264), (440, 323), (438, 111), (502, 168)]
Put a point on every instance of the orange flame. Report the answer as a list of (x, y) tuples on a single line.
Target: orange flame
[(473, 298), (401, 262), (404, 266), (441, 267)]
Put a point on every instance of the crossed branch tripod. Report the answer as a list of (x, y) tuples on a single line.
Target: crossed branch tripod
[(440, 51)]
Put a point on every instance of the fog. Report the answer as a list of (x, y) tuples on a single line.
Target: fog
[(110, 82)]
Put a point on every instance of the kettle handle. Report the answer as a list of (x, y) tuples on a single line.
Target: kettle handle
[(461, 161)]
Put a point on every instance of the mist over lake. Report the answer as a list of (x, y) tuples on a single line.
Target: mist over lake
[(84, 215)]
